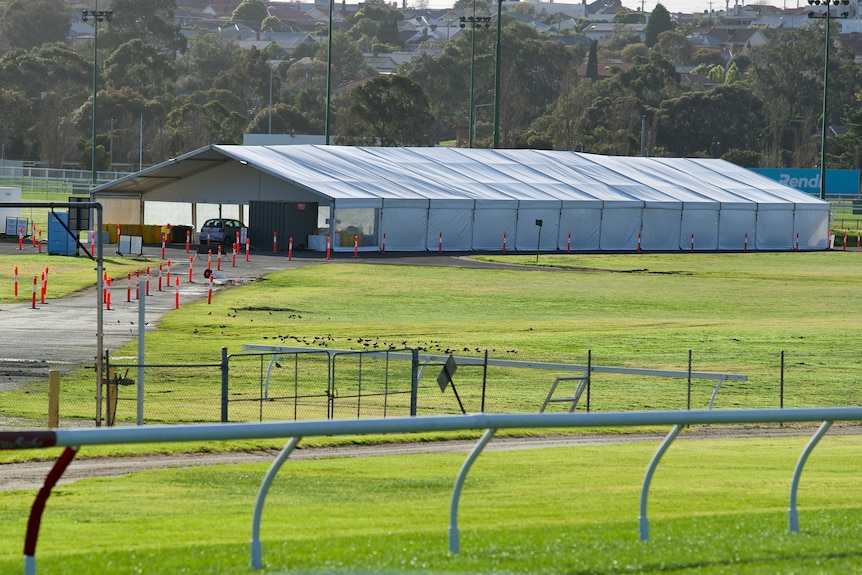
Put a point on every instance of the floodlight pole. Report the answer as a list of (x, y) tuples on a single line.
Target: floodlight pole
[(329, 76), (475, 22), (497, 76), (825, 124), (97, 16), (826, 16)]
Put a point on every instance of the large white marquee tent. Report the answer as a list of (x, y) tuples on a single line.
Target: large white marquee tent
[(415, 199)]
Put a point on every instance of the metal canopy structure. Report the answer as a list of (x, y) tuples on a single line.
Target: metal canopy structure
[(454, 199)]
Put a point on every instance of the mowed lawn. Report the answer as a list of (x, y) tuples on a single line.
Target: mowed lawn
[(715, 506)]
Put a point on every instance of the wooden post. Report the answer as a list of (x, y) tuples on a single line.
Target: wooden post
[(53, 399)]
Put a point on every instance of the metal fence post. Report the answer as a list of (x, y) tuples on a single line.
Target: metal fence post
[(414, 381), (589, 375), (688, 394), (781, 385), (224, 383)]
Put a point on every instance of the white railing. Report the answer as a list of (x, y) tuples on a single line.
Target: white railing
[(72, 439)]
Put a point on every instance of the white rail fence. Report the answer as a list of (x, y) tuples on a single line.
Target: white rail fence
[(73, 439)]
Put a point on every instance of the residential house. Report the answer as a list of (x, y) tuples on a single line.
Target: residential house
[(730, 41), (601, 31)]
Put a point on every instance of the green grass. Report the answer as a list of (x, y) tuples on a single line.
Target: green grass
[(66, 275), (735, 312), (714, 507)]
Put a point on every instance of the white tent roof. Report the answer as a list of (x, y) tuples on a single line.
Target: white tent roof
[(369, 176)]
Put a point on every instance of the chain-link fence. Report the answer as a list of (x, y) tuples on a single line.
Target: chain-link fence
[(302, 384)]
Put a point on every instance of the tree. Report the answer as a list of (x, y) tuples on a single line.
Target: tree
[(787, 72), (141, 66), (659, 21), (207, 57), (286, 119), (593, 61), (272, 24), (31, 23), (348, 63), (251, 13), (149, 20), (392, 109), (711, 123), (14, 118), (675, 47)]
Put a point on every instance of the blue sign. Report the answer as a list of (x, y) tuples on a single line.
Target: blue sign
[(838, 182)]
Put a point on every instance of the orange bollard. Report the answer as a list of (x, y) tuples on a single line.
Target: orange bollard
[(16, 281), (137, 284), (328, 247), (35, 279), (218, 259), (160, 277), (504, 242), (163, 246), (210, 260), (569, 243), (43, 288), (210, 292), (639, 242), (290, 249), (169, 273), (383, 245), (129, 287), (274, 243), (440, 244), (108, 294), (191, 268), (247, 247), (188, 240), (745, 243), (356, 246), (147, 283), (177, 295), (20, 238)]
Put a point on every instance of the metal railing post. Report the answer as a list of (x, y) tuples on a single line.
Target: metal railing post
[(414, 381), (225, 379)]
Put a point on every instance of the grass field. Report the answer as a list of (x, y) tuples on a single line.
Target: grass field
[(714, 507), (736, 313)]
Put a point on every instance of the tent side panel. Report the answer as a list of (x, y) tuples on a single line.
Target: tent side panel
[(527, 234), (660, 229), (405, 228), (704, 225), (733, 225), (489, 225), (456, 225), (812, 227), (620, 228), (775, 230), (584, 224)]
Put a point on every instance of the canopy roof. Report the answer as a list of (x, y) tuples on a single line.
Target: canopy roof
[(359, 175)]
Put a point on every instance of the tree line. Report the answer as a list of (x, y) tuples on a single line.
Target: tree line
[(176, 92)]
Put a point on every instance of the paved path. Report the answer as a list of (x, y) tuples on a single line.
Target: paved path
[(62, 333)]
